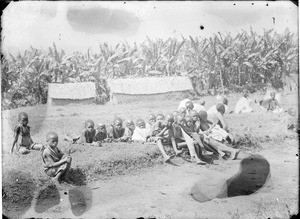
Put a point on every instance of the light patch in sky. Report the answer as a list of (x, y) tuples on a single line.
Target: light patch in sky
[(41, 23)]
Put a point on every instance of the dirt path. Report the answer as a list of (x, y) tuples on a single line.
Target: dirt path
[(164, 191)]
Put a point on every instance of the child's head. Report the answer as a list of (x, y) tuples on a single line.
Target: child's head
[(194, 115), (189, 121), (89, 125), (225, 101), (246, 95), (220, 108), (180, 120), (152, 119), (189, 106), (169, 119), (130, 124), (202, 116), (23, 118), (118, 123), (182, 111), (141, 123), (175, 113), (52, 139), (160, 117), (272, 95), (101, 127), (202, 102)]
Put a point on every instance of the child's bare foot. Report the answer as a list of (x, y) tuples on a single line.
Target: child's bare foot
[(198, 161), (205, 152), (167, 158), (178, 152), (234, 155)]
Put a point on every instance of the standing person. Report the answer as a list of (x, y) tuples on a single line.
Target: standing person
[(56, 164), (22, 138)]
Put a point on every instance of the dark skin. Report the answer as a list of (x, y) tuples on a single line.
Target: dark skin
[(52, 142)]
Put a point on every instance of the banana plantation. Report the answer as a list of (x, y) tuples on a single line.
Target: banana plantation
[(220, 62)]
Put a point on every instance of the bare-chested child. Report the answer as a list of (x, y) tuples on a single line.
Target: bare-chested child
[(56, 164), (128, 131), (116, 131), (215, 136), (151, 121), (180, 138), (192, 128), (101, 135), (162, 132), (22, 138), (87, 136), (182, 111)]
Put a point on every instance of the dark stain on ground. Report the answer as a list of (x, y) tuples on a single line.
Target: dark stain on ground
[(17, 192), (47, 198), (253, 174), (80, 199), (99, 20)]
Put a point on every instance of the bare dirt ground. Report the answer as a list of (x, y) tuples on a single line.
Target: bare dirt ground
[(167, 190)]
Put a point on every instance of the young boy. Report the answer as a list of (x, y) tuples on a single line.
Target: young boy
[(101, 135), (128, 131), (243, 105), (189, 106), (56, 164), (162, 131), (151, 121), (116, 131), (140, 133), (214, 136), (22, 136), (182, 111)]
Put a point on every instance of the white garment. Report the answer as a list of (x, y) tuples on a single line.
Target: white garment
[(140, 134), (182, 103), (199, 107), (243, 106), (212, 114), (214, 109)]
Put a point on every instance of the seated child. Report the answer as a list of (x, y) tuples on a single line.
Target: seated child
[(162, 133), (192, 129), (101, 135), (128, 131), (189, 106), (140, 133), (271, 104), (182, 111), (56, 164), (243, 105), (181, 137), (151, 121), (214, 136), (87, 135), (22, 136), (116, 131)]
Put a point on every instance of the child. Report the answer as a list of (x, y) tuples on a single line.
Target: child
[(182, 111), (214, 136), (140, 133), (22, 136), (189, 106), (116, 131), (56, 164), (192, 130), (175, 113), (274, 105), (151, 121), (101, 135), (128, 131), (199, 107), (162, 132), (87, 135), (243, 105), (181, 137)]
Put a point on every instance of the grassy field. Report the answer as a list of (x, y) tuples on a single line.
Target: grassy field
[(22, 174)]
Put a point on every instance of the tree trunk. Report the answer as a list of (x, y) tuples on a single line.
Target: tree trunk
[(221, 80)]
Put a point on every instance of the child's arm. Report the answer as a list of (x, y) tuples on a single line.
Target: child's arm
[(50, 163), (223, 122)]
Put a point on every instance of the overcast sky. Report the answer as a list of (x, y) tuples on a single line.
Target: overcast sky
[(80, 25)]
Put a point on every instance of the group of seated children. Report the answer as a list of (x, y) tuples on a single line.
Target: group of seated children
[(183, 128)]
